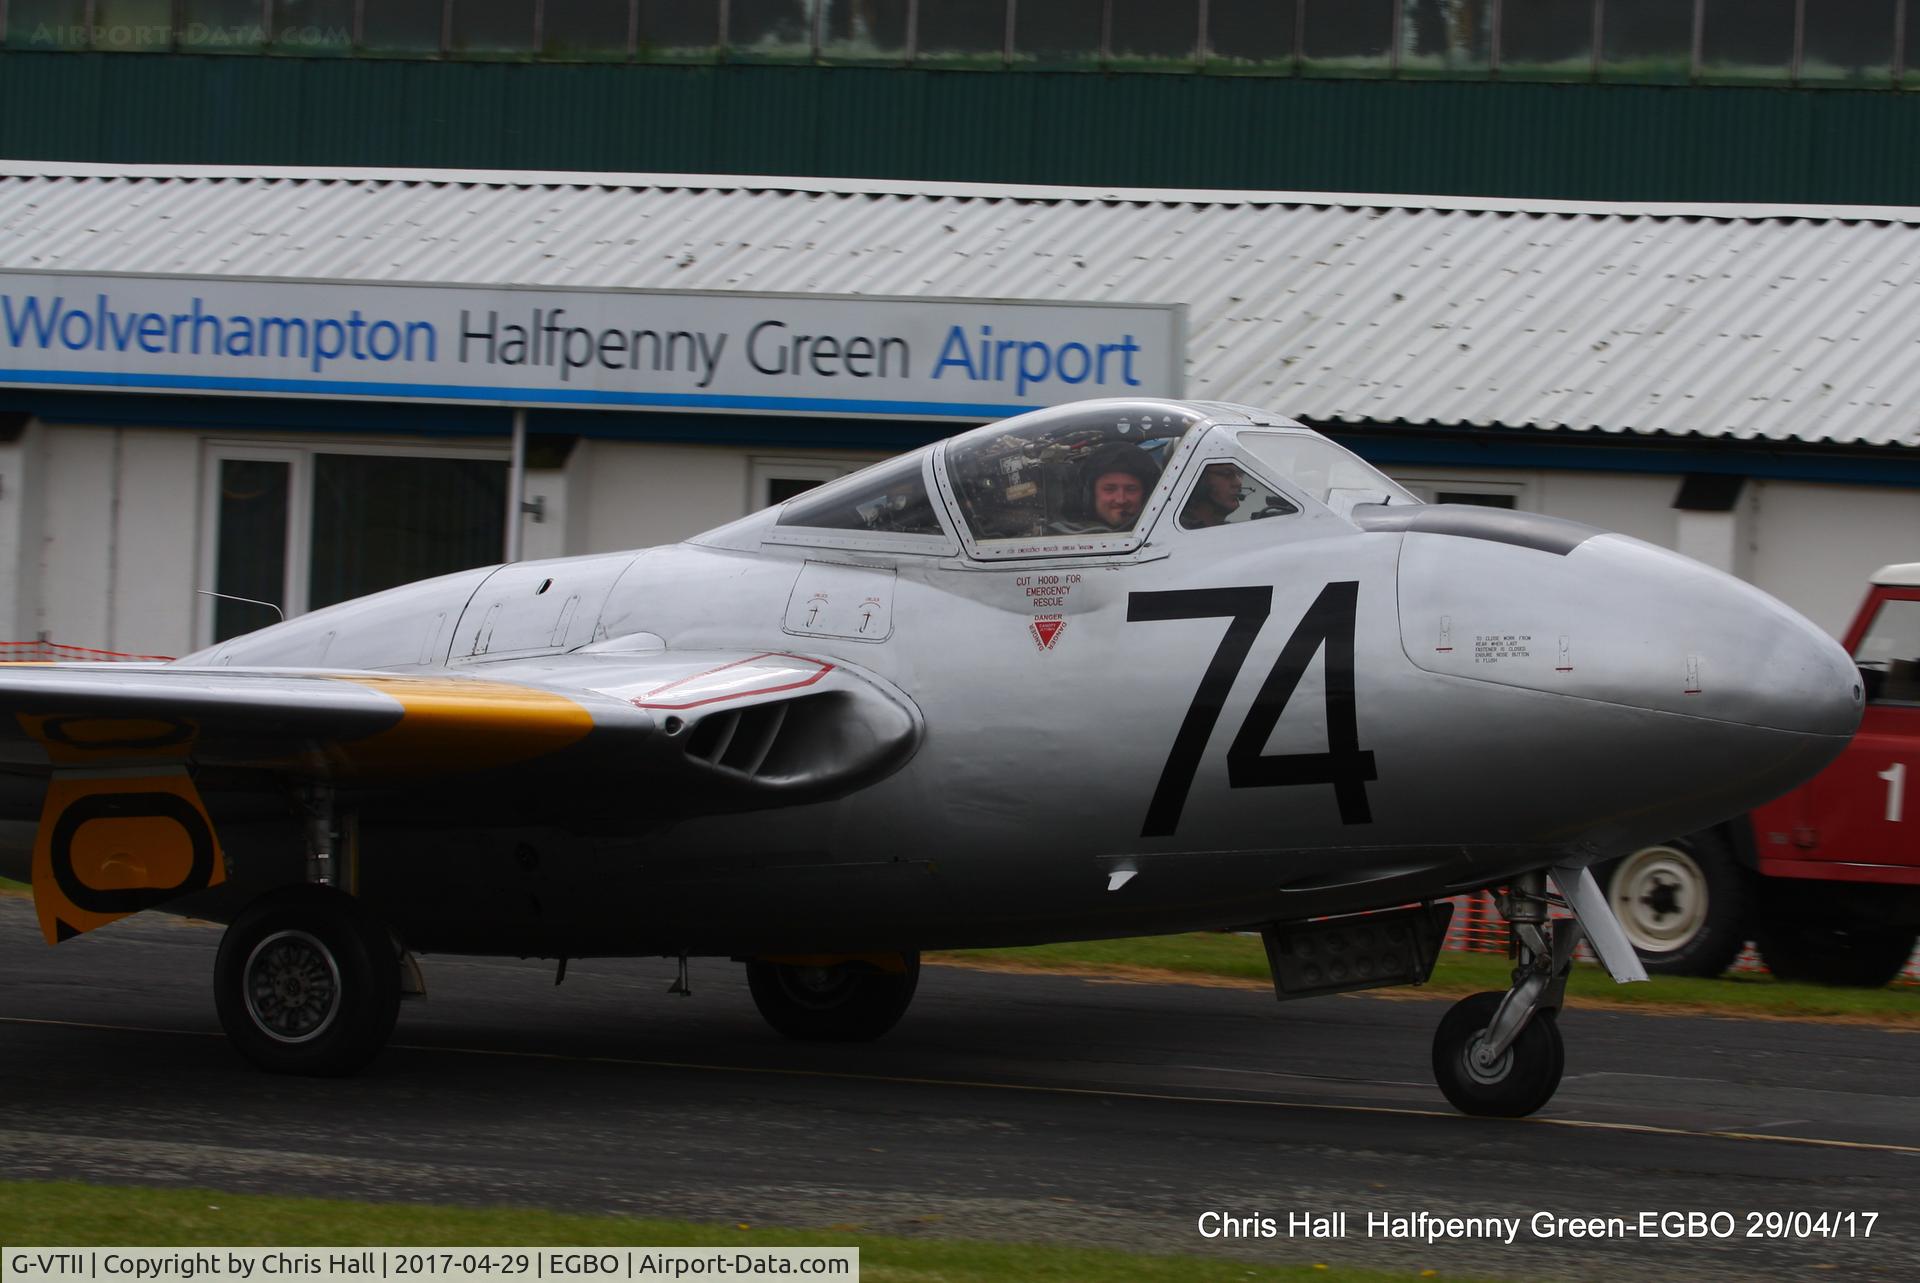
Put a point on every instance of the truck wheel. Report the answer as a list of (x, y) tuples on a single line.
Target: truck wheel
[(1683, 904), (1826, 951)]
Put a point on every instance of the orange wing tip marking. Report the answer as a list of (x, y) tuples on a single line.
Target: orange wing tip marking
[(723, 683), (453, 723), (112, 846)]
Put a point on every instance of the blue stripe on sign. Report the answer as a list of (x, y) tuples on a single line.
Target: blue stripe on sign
[(556, 396)]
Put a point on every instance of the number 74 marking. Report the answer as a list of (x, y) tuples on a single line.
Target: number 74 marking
[(1330, 620)]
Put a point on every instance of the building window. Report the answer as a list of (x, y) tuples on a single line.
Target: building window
[(873, 31), (1649, 41), (1154, 33), (47, 24), (1447, 37), (1748, 41), (774, 480), (1252, 35), (492, 28), (406, 27), (676, 30), (1547, 39), (772, 29), (222, 26), (1487, 494), (312, 27), (133, 26), (1059, 33), (1350, 38), (302, 527), (967, 32), (585, 30), (1850, 42)]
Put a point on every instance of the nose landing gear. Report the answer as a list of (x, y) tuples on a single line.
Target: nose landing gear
[(1500, 1055)]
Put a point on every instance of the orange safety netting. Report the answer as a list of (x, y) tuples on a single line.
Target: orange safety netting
[(19, 652)]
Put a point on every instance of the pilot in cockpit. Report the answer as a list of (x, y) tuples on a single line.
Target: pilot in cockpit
[(1118, 480), (1216, 498)]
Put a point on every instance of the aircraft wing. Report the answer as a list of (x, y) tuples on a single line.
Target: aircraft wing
[(125, 750)]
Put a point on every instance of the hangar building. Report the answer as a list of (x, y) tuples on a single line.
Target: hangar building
[(210, 377)]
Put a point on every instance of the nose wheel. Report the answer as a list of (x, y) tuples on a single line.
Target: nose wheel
[(1512, 1084), (1500, 1055)]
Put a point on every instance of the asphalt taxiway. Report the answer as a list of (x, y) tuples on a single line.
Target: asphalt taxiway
[(1005, 1106)]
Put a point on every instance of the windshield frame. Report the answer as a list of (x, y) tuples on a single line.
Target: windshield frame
[(1339, 500), (944, 544), (1088, 543)]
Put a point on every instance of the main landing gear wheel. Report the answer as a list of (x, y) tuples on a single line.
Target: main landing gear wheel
[(1511, 1085), (854, 1001), (307, 981)]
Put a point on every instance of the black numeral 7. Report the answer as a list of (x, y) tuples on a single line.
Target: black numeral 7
[(1330, 620)]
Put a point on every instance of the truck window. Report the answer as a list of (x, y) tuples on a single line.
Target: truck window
[(1889, 654)]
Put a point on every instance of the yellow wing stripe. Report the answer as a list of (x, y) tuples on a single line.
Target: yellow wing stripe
[(457, 724)]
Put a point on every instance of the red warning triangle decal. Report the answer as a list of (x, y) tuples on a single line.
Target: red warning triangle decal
[(1045, 630)]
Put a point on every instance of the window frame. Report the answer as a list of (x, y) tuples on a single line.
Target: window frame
[(299, 560), (1198, 468), (1049, 547), (1424, 489)]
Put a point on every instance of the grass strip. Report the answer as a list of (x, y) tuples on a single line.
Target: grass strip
[(69, 1214), (1223, 955)]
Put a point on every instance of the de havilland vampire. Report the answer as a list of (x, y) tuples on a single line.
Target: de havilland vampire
[(1109, 669)]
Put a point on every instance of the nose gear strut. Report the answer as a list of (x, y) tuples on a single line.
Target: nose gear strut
[(1501, 1055)]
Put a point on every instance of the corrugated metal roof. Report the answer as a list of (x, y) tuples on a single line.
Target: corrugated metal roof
[(1783, 323)]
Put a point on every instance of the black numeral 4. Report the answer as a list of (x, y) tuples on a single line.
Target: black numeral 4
[(1329, 622)]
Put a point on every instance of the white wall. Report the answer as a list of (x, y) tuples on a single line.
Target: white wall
[(116, 540), (156, 566), (20, 522), (1815, 545), (78, 471), (630, 494), (99, 526)]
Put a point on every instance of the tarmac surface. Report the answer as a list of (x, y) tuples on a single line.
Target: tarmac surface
[(1026, 1108)]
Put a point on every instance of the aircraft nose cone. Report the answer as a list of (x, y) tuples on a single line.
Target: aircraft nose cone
[(1684, 694), (1744, 657), (1608, 618)]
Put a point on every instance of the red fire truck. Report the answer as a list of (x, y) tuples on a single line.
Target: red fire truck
[(1825, 880)]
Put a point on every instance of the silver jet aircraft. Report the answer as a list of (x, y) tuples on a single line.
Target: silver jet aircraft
[(1110, 669)]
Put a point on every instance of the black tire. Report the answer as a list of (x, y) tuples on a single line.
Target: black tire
[(1684, 904), (307, 982), (1829, 951), (849, 1002), (1523, 1079)]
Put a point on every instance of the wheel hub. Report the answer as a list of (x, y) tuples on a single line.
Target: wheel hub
[(292, 986), (1483, 1069), (1659, 894)]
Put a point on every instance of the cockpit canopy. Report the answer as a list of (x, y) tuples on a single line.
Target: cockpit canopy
[(1083, 471), (1087, 478)]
